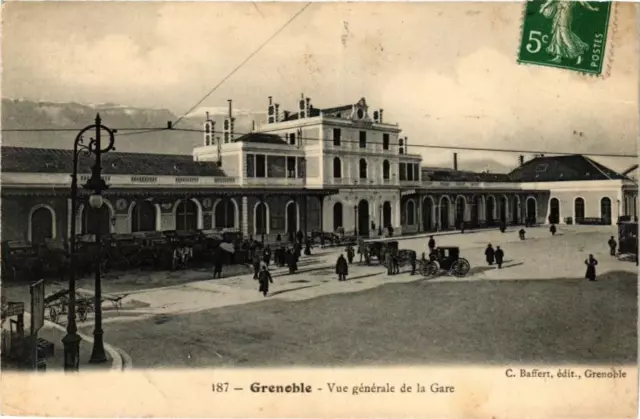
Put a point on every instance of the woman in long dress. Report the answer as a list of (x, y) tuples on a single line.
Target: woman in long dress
[(564, 42)]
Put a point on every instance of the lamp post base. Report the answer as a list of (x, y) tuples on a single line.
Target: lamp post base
[(71, 342), (98, 355)]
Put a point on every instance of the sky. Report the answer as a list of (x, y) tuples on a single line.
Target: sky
[(446, 73)]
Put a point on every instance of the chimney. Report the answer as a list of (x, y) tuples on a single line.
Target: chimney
[(455, 161), (253, 127), (277, 112), (208, 115), (230, 108), (406, 145), (381, 120), (520, 160), (286, 114), (270, 100)]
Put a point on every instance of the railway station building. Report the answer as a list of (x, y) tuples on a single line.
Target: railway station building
[(307, 170)]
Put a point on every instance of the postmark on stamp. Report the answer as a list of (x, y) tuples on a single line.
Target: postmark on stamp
[(566, 34)]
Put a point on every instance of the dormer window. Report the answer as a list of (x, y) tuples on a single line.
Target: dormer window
[(541, 168), (360, 113), (292, 138)]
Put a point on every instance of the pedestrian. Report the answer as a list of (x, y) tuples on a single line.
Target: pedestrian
[(552, 229), (499, 255), (432, 244), (266, 255), (394, 260), (264, 279), (388, 262), (591, 263), (256, 266), (489, 254), (291, 237), (292, 262), (361, 249), (503, 226), (612, 246), (307, 247), (390, 231), (297, 251), (521, 233), (300, 236), (342, 269), (278, 238), (412, 261), (217, 263), (322, 240), (350, 254)]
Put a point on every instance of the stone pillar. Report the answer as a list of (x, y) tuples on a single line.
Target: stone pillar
[(397, 227), (419, 213), (244, 210)]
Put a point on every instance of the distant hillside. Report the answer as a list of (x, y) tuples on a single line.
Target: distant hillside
[(25, 114)]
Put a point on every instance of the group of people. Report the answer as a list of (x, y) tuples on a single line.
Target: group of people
[(494, 255)]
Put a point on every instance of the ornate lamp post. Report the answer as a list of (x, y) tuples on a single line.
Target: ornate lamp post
[(355, 220), (71, 340)]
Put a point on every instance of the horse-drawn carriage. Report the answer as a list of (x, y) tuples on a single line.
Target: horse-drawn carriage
[(445, 259), (58, 304), (19, 259)]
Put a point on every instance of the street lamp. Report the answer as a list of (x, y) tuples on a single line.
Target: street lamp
[(355, 220), (71, 340), (380, 220)]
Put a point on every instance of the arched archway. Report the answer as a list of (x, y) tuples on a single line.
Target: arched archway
[(143, 216), (41, 224), (261, 218), (578, 210), (445, 205), (427, 214), (363, 218), (338, 211), (532, 210), (386, 214), (491, 210), (292, 218), (186, 215), (94, 220), (224, 213), (411, 212), (461, 205), (605, 210), (554, 211)]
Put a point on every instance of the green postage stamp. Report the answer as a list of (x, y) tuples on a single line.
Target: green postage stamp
[(565, 34)]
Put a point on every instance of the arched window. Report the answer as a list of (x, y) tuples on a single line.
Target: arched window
[(337, 168), (41, 225), (337, 215), (187, 215), (411, 212), (261, 218), (143, 217), (605, 210), (363, 169), (386, 168), (578, 208), (225, 214), (554, 211)]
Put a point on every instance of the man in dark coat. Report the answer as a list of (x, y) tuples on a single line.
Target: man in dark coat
[(307, 247), (266, 255), (591, 263), (499, 255), (503, 226), (412, 261), (552, 229), (256, 266), (394, 260), (300, 236), (292, 262), (612, 246), (217, 263), (350, 254), (342, 269), (390, 231), (489, 254), (388, 262), (297, 251), (432, 244), (521, 233), (264, 278)]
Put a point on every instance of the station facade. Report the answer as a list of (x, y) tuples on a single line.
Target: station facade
[(309, 170)]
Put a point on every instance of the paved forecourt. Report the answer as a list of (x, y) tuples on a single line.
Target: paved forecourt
[(540, 256)]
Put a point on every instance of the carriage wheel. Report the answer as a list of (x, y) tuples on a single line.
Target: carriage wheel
[(424, 270), (82, 313), (460, 267), (53, 314), (433, 268)]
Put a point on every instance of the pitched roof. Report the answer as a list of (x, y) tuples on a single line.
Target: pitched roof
[(260, 137), (450, 175), (574, 167), (50, 160), (631, 169)]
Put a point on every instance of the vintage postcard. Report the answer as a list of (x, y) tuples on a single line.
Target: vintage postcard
[(269, 209)]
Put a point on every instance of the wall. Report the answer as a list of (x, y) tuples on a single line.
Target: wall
[(231, 164), (591, 203), (15, 215), (351, 197)]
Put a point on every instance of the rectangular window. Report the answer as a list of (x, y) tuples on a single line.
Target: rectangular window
[(276, 166), (291, 167), (409, 172), (251, 168), (337, 137), (261, 166), (302, 167), (416, 172), (363, 139), (292, 138), (403, 171), (385, 141)]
